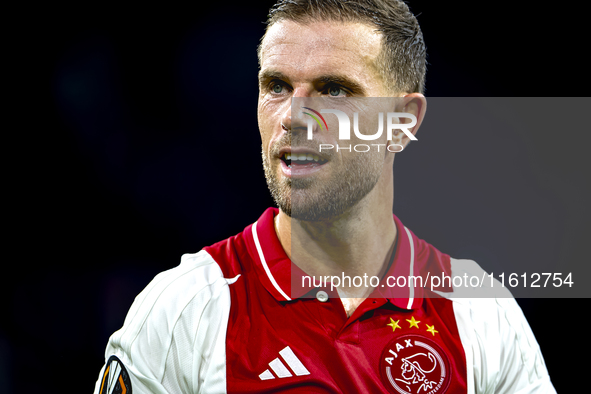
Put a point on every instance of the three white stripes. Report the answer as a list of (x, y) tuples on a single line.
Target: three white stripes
[(281, 370)]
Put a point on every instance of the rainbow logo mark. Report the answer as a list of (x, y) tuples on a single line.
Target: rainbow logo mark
[(315, 118)]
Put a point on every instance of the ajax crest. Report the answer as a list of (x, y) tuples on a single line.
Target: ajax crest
[(413, 364)]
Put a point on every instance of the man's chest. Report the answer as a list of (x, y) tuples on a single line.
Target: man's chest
[(310, 345)]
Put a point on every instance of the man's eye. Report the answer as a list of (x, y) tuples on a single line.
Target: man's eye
[(277, 88), (335, 91)]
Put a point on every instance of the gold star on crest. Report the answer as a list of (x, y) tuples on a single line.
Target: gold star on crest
[(394, 324), (413, 322), (432, 329)]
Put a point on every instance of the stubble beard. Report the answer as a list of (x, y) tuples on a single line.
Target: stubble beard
[(310, 200)]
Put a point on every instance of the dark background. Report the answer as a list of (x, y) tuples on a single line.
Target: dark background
[(136, 141)]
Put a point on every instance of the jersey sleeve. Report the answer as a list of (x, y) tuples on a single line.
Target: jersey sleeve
[(173, 338), (502, 354)]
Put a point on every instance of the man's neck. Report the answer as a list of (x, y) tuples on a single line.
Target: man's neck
[(358, 243)]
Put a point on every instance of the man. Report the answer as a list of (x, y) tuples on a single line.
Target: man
[(235, 317)]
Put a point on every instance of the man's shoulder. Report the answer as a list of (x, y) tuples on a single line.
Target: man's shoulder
[(200, 274), (164, 299), (498, 341), (195, 270), (177, 315)]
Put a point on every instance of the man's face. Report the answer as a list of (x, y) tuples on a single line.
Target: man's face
[(319, 59)]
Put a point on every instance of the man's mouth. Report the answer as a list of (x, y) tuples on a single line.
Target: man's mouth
[(302, 159)]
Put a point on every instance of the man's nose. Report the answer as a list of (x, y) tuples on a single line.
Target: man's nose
[(286, 119), (297, 123)]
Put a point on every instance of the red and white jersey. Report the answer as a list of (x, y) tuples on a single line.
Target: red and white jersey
[(227, 320)]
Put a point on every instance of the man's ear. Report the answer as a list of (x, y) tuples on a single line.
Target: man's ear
[(415, 104)]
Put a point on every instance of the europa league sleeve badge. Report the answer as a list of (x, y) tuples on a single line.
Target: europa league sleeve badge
[(115, 379)]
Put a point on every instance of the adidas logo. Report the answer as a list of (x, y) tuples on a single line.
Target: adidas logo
[(281, 370)]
